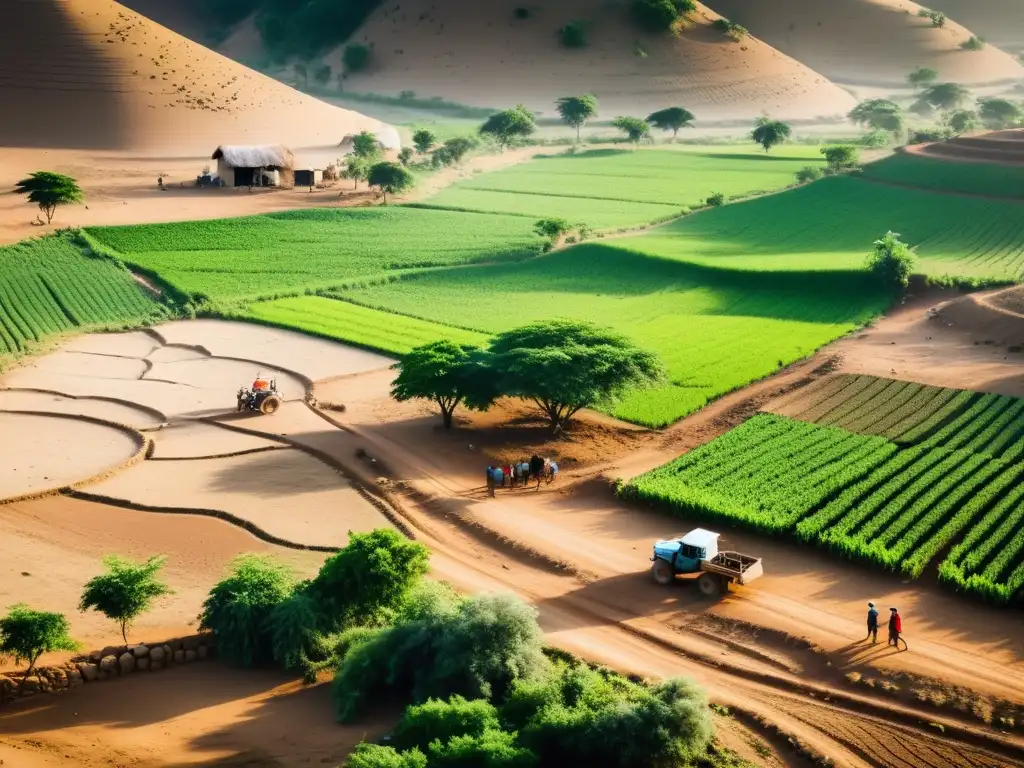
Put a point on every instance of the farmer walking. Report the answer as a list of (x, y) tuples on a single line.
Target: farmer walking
[(872, 623), (552, 471), (490, 481), (507, 470), (499, 478), (895, 627), (524, 472), (537, 468)]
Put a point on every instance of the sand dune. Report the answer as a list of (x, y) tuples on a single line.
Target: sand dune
[(870, 42), (1001, 22), (480, 54), (91, 74)]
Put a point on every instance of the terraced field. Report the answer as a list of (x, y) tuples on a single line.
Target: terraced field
[(50, 286), (987, 179), (888, 472)]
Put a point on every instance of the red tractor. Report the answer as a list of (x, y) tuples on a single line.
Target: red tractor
[(263, 397)]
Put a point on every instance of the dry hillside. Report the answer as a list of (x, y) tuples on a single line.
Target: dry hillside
[(91, 74), (481, 54), (871, 42), (1001, 22)]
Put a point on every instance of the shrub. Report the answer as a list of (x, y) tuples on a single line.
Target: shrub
[(716, 199), (356, 57), (892, 262), (731, 29), (376, 756), (841, 157), (424, 140), (973, 43), (573, 35), (996, 114), (634, 128), (444, 720), (26, 634), (553, 229), (406, 155), (294, 628), (809, 173), (661, 15), (963, 121), (491, 749), (876, 139), (508, 126), (922, 76), (522, 13), (125, 591)]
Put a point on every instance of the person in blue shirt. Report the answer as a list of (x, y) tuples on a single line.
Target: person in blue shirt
[(872, 623), (499, 479), (490, 481)]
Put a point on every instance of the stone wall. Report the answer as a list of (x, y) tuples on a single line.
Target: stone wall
[(107, 664)]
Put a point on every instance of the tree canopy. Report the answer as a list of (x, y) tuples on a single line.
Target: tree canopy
[(366, 144), (576, 110), (922, 77), (26, 634), (49, 190), (879, 115), (661, 15), (424, 140), (634, 128), (841, 157), (453, 150), (564, 366), (355, 57), (892, 262), (945, 96), (671, 119), (997, 114), (125, 591), (390, 178), (770, 133), (510, 125), (963, 121), (450, 374)]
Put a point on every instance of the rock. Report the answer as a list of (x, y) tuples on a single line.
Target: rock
[(167, 652), (75, 679), (127, 662), (88, 670), (176, 645), (95, 657), (140, 651), (157, 654), (108, 665), (142, 664), (190, 643), (32, 683), (179, 657), (156, 666), (114, 650), (59, 678), (190, 656), (202, 651)]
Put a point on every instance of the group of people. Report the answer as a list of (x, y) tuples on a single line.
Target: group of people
[(895, 626), (521, 473)]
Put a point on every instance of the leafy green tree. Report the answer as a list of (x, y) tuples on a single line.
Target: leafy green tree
[(357, 168), (447, 373), (405, 156), (356, 57), (390, 178), (296, 632), (453, 151), (444, 720), (553, 229), (661, 15), (238, 608), (574, 35), (510, 125), (892, 262), (366, 144), (564, 366), (375, 756), (671, 119), (634, 128), (49, 190), (125, 591), (424, 140), (945, 96), (576, 110), (809, 173), (879, 115), (771, 133), (733, 30), (997, 114), (841, 157), (922, 77), (26, 634), (963, 121)]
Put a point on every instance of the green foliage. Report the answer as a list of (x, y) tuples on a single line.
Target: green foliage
[(973, 43), (565, 366), (876, 139), (238, 608), (986, 179), (453, 150), (945, 96), (390, 178), (634, 128), (444, 720), (376, 756), (922, 77), (357, 168), (731, 29), (125, 591), (671, 119), (879, 115), (491, 749), (661, 15), (553, 229), (841, 157), (25, 634), (405, 156), (449, 374), (937, 18), (998, 114), (49, 190), (366, 145), (716, 200), (573, 35), (356, 57), (892, 262), (424, 140), (294, 627), (304, 28), (963, 121), (771, 133), (576, 110), (509, 126), (809, 173)]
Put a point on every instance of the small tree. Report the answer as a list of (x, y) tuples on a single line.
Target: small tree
[(634, 128), (553, 229), (771, 133), (453, 150), (892, 262), (574, 35), (922, 77), (841, 157), (26, 634), (576, 110), (997, 114), (125, 591), (49, 190), (424, 140), (390, 178), (661, 15), (809, 173), (366, 144), (510, 125), (963, 121), (356, 57), (357, 168), (671, 119), (405, 156), (879, 115), (448, 374), (945, 96), (731, 29), (564, 366)]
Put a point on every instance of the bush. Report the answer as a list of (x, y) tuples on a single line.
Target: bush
[(491, 749), (892, 262), (573, 35), (25, 634), (406, 155), (553, 229), (809, 173), (929, 135), (356, 57), (841, 157), (716, 199), (294, 627), (876, 139), (375, 756), (973, 43), (731, 29), (444, 720), (661, 15)]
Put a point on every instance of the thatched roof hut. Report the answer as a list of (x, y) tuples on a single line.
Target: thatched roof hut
[(271, 156)]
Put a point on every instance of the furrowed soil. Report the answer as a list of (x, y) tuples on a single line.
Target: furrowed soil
[(787, 650)]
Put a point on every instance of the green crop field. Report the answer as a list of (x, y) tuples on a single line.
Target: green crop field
[(274, 254), (830, 225), (612, 188), (862, 496), (715, 331), (988, 179), (50, 286)]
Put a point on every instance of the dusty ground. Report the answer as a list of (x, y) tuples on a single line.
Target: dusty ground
[(774, 650)]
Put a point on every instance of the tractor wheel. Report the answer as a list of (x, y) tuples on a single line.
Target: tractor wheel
[(710, 584), (270, 405), (241, 404), (663, 572)]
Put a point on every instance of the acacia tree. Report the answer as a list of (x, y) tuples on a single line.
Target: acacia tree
[(576, 110), (922, 77), (390, 178), (892, 262), (671, 119), (634, 128), (770, 133), (447, 373), (879, 115), (945, 96), (49, 190), (424, 140), (505, 127), (26, 634), (997, 114), (564, 366), (125, 591), (453, 151)]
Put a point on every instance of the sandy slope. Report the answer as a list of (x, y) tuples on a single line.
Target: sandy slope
[(480, 54), (1001, 22), (870, 42)]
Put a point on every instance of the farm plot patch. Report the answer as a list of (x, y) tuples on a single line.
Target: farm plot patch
[(988, 179), (862, 496), (715, 330)]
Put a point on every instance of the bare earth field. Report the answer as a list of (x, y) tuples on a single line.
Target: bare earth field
[(781, 649)]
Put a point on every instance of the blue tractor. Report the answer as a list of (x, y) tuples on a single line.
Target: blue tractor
[(697, 552)]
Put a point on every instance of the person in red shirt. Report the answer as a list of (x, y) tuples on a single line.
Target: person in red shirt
[(895, 627)]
